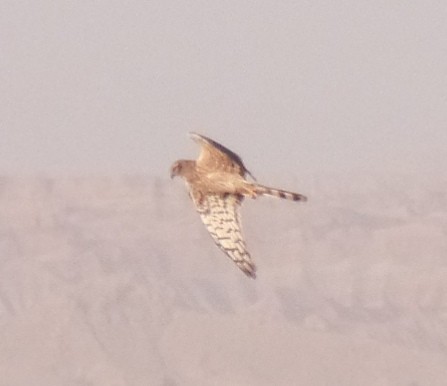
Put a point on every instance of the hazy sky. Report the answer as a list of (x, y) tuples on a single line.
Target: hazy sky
[(292, 86)]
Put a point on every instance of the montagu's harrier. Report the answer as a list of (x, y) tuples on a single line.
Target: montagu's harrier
[(217, 186)]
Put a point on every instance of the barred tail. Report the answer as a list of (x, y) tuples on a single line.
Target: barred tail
[(266, 191)]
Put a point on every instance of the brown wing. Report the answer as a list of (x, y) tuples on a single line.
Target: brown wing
[(221, 216), (214, 156)]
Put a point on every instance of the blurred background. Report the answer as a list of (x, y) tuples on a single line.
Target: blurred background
[(108, 277), (299, 86)]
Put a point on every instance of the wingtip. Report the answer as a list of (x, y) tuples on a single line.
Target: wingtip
[(249, 270), (194, 136), (252, 275)]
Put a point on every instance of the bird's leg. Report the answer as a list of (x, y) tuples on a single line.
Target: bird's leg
[(250, 191)]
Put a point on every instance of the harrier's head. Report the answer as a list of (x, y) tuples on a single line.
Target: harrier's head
[(181, 168)]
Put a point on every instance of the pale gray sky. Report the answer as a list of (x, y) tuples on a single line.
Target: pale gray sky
[(292, 86)]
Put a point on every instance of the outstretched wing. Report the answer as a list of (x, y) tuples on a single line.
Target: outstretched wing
[(221, 216), (216, 157)]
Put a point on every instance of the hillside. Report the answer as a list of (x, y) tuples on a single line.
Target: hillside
[(114, 281)]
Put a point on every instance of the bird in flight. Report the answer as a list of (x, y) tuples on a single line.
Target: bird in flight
[(217, 185)]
